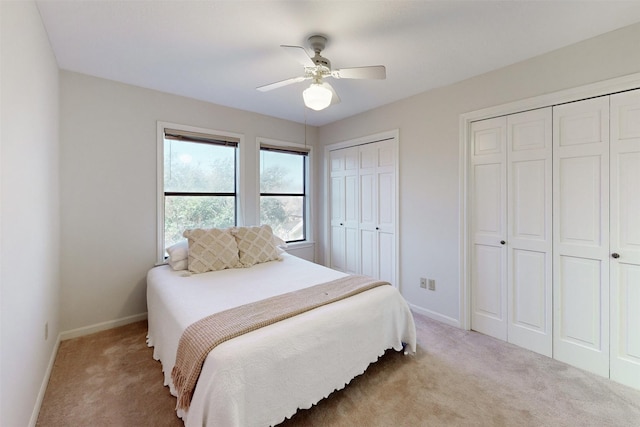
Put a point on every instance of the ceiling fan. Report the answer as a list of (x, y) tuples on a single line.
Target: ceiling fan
[(320, 94)]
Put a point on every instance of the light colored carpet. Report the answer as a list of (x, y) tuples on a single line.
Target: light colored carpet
[(457, 378)]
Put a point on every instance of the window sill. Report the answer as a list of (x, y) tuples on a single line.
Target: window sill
[(300, 245)]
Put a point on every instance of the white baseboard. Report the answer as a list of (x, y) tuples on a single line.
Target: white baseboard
[(436, 316), (86, 330), (43, 386)]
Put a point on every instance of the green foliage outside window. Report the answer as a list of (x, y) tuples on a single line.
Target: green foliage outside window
[(197, 168), (282, 189)]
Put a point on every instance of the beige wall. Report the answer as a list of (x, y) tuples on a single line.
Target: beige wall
[(108, 181), (29, 211), (430, 155)]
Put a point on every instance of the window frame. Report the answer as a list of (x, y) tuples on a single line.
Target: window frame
[(278, 145), (160, 192)]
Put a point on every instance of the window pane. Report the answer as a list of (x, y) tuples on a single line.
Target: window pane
[(281, 172), (194, 167), (183, 212), (284, 215)]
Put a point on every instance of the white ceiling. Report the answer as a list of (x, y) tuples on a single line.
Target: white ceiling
[(220, 51)]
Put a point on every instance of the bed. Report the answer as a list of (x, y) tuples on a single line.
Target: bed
[(263, 377)]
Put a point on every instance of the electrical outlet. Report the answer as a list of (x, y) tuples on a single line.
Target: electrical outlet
[(46, 331), (432, 284), (423, 283)]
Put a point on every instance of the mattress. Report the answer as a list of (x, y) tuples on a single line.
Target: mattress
[(263, 377)]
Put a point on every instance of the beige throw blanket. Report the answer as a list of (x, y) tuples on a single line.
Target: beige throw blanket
[(202, 336)]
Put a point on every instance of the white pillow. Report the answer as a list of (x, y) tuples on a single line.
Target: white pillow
[(211, 249), (178, 255), (183, 264), (279, 243)]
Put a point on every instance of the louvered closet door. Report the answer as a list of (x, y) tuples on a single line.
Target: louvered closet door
[(488, 227), (343, 166), (625, 238), (529, 223), (581, 235)]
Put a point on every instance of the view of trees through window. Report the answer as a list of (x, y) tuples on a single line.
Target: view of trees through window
[(282, 193), (200, 189)]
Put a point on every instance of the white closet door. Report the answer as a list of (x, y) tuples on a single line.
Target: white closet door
[(625, 238), (368, 207), (377, 210), (581, 238), (343, 165), (529, 219), (488, 227), (386, 210)]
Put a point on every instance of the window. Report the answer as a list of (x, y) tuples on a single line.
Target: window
[(283, 190), (199, 182)]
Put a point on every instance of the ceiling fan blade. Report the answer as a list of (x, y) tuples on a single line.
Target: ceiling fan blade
[(282, 83), (372, 72), (335, 99), (299, 54)]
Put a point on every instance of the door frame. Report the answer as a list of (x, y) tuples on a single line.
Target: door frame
[(605, 87)]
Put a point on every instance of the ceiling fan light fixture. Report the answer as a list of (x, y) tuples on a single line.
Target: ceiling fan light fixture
[(317, 97)]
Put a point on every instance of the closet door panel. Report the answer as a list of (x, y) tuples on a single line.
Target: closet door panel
[(386, 201), (351, 250), (368, 188), (367, 198), (338, 249), (337, 197), (626, 368), (579, 302), (625, 238), (386, 211), (386, 257), (489, 294), (488, 225), (351, 221), (343, 165), (529, 199), (529, 298), (580, 195), (350, 200), (488, 197), (529, 238), (368, 253), (386, 155), (627, 202), (581, 234), (368, 206)]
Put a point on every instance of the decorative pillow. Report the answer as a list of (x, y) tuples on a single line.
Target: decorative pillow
[(255, 245), (211, 250), (178, 255)]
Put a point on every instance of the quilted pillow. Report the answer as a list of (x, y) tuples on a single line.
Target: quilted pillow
[(211, 250), (255, 245)]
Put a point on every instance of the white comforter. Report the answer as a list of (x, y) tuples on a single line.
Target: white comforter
[(263, 377)]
